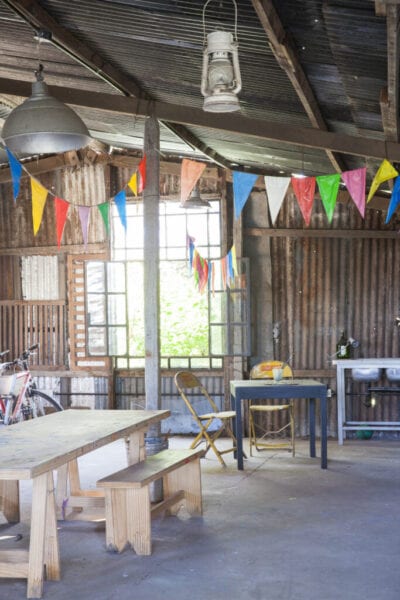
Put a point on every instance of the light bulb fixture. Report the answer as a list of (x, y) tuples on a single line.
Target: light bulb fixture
[(195, 201), (221, 80), (43, 125)]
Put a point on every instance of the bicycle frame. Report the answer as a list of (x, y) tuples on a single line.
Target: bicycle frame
[(12, 404)]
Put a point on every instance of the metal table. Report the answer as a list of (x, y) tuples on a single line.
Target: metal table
[(258, 389)]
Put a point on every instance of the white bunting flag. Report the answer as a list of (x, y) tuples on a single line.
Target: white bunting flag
[(276, 188)]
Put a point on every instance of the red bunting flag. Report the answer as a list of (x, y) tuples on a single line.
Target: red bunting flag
[(142, 171), (304, 189), (61, 210)]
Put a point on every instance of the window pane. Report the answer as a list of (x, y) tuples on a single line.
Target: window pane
[(96, 309), (116, 277), (97, 344), (95, 276), (116, 309), (117, 341)]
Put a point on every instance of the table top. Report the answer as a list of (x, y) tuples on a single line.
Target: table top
[(33, 447), (350, 363), (286, 388)]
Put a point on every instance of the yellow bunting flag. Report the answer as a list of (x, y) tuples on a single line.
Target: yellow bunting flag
[(39, 196), (132, 183), (386, 171)]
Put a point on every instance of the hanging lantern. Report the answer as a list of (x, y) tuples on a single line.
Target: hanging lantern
[(221, 80)]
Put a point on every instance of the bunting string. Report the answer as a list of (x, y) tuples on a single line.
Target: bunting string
[(204, 270)]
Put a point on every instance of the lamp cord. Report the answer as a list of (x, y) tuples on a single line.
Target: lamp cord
[(204, 22)]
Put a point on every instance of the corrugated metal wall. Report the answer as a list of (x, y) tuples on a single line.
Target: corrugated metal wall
[(316, 286)]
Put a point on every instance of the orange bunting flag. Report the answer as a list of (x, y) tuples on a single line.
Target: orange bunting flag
[(39, 196), (223, 273), (61, 209), (132, 183), (200, 269), (191, 171), (142, 171), (385, 172), (304, 189)]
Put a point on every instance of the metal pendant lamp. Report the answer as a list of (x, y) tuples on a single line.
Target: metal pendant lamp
[(43, 125), (195, 201)]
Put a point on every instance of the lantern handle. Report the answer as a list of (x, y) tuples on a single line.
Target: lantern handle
[(204, 22)]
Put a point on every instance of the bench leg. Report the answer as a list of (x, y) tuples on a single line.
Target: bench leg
[(9, 500), (187, 478), (116, 516), (139, 519)]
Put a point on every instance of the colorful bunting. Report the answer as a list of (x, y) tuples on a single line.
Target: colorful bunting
[(84, 213), (304, 189), (394, 200), (120, 201), (386, 171), (328, 186), (16, 171), (275, 188), (242, 186), (142, 171), (104, 209), (132, 183), (355, 182), (61, 210), (191, 171), (39, 196)]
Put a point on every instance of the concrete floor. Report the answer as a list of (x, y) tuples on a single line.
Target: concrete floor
[(283, 529)]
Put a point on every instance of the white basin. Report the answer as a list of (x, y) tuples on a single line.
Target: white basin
[(368, 373), (393, 374)]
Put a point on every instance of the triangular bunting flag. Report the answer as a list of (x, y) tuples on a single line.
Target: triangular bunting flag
[(355, 180), (328, 186), (132, 183), (242, 186), (84, 213), (394, 200), (142, 171), (104, 209), (276, 188), (39, 196), (16, 170), (61, 209), (120, 201), (234, 261), (386, 171), (304, 189), (191, 171)]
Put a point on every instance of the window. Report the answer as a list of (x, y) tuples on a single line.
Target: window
[(193, 326)]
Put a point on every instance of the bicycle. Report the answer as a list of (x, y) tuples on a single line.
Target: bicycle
[(19, 397)]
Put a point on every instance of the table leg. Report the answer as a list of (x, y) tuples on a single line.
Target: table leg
[(9, 500), (341, 399), (324, 433), (239, 436), (135, 447), (311, 405)]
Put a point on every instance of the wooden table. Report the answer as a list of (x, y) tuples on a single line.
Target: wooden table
[(257, 389), (32, 450)]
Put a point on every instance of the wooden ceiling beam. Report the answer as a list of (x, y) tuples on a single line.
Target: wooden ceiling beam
[(287, 57), (235, 124), (389, 98)]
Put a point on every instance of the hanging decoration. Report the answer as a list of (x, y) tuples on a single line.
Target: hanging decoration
[(275, 188), (132, 184), (61, 210), (39, 197), (355, 182), (16, 172), (304, 190), (385, 172), (394, 200), (104, 209), (84, 213), (242, 186), (191, 172), (328, 186), (120, 201), (142, 172), (203, 270)]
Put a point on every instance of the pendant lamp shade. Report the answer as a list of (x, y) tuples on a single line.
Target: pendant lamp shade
[(43, 125), (195, 201)]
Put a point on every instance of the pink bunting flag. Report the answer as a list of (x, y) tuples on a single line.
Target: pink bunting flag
[(61, 210), (39, 197), (191, 171), (355, 180), (304, 189), (84, 212)]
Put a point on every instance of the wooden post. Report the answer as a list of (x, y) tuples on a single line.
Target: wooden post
[(151, 198)]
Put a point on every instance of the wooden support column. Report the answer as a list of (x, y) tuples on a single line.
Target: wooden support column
[(151, 198)]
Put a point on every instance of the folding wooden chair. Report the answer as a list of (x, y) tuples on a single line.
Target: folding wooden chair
[(187, 383), (259, 433)]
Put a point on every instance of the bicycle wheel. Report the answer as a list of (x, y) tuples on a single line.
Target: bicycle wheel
[(42, 404)]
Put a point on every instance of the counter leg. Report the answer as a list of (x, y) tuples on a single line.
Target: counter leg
[(239, 436), (324, 433), (341, 406), (311, 404)]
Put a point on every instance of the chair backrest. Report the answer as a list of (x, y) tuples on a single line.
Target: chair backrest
[(186, 382), (263, 370)]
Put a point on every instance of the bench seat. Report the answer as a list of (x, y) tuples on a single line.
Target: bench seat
[(128, 508)]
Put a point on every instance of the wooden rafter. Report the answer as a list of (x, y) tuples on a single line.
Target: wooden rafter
[(389, 99), (287, 57), (34, 14)]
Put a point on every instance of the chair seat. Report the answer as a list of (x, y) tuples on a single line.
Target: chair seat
[(223, 414), (269, 407)]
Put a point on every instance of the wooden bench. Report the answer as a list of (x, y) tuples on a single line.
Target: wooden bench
[(128, 508)]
